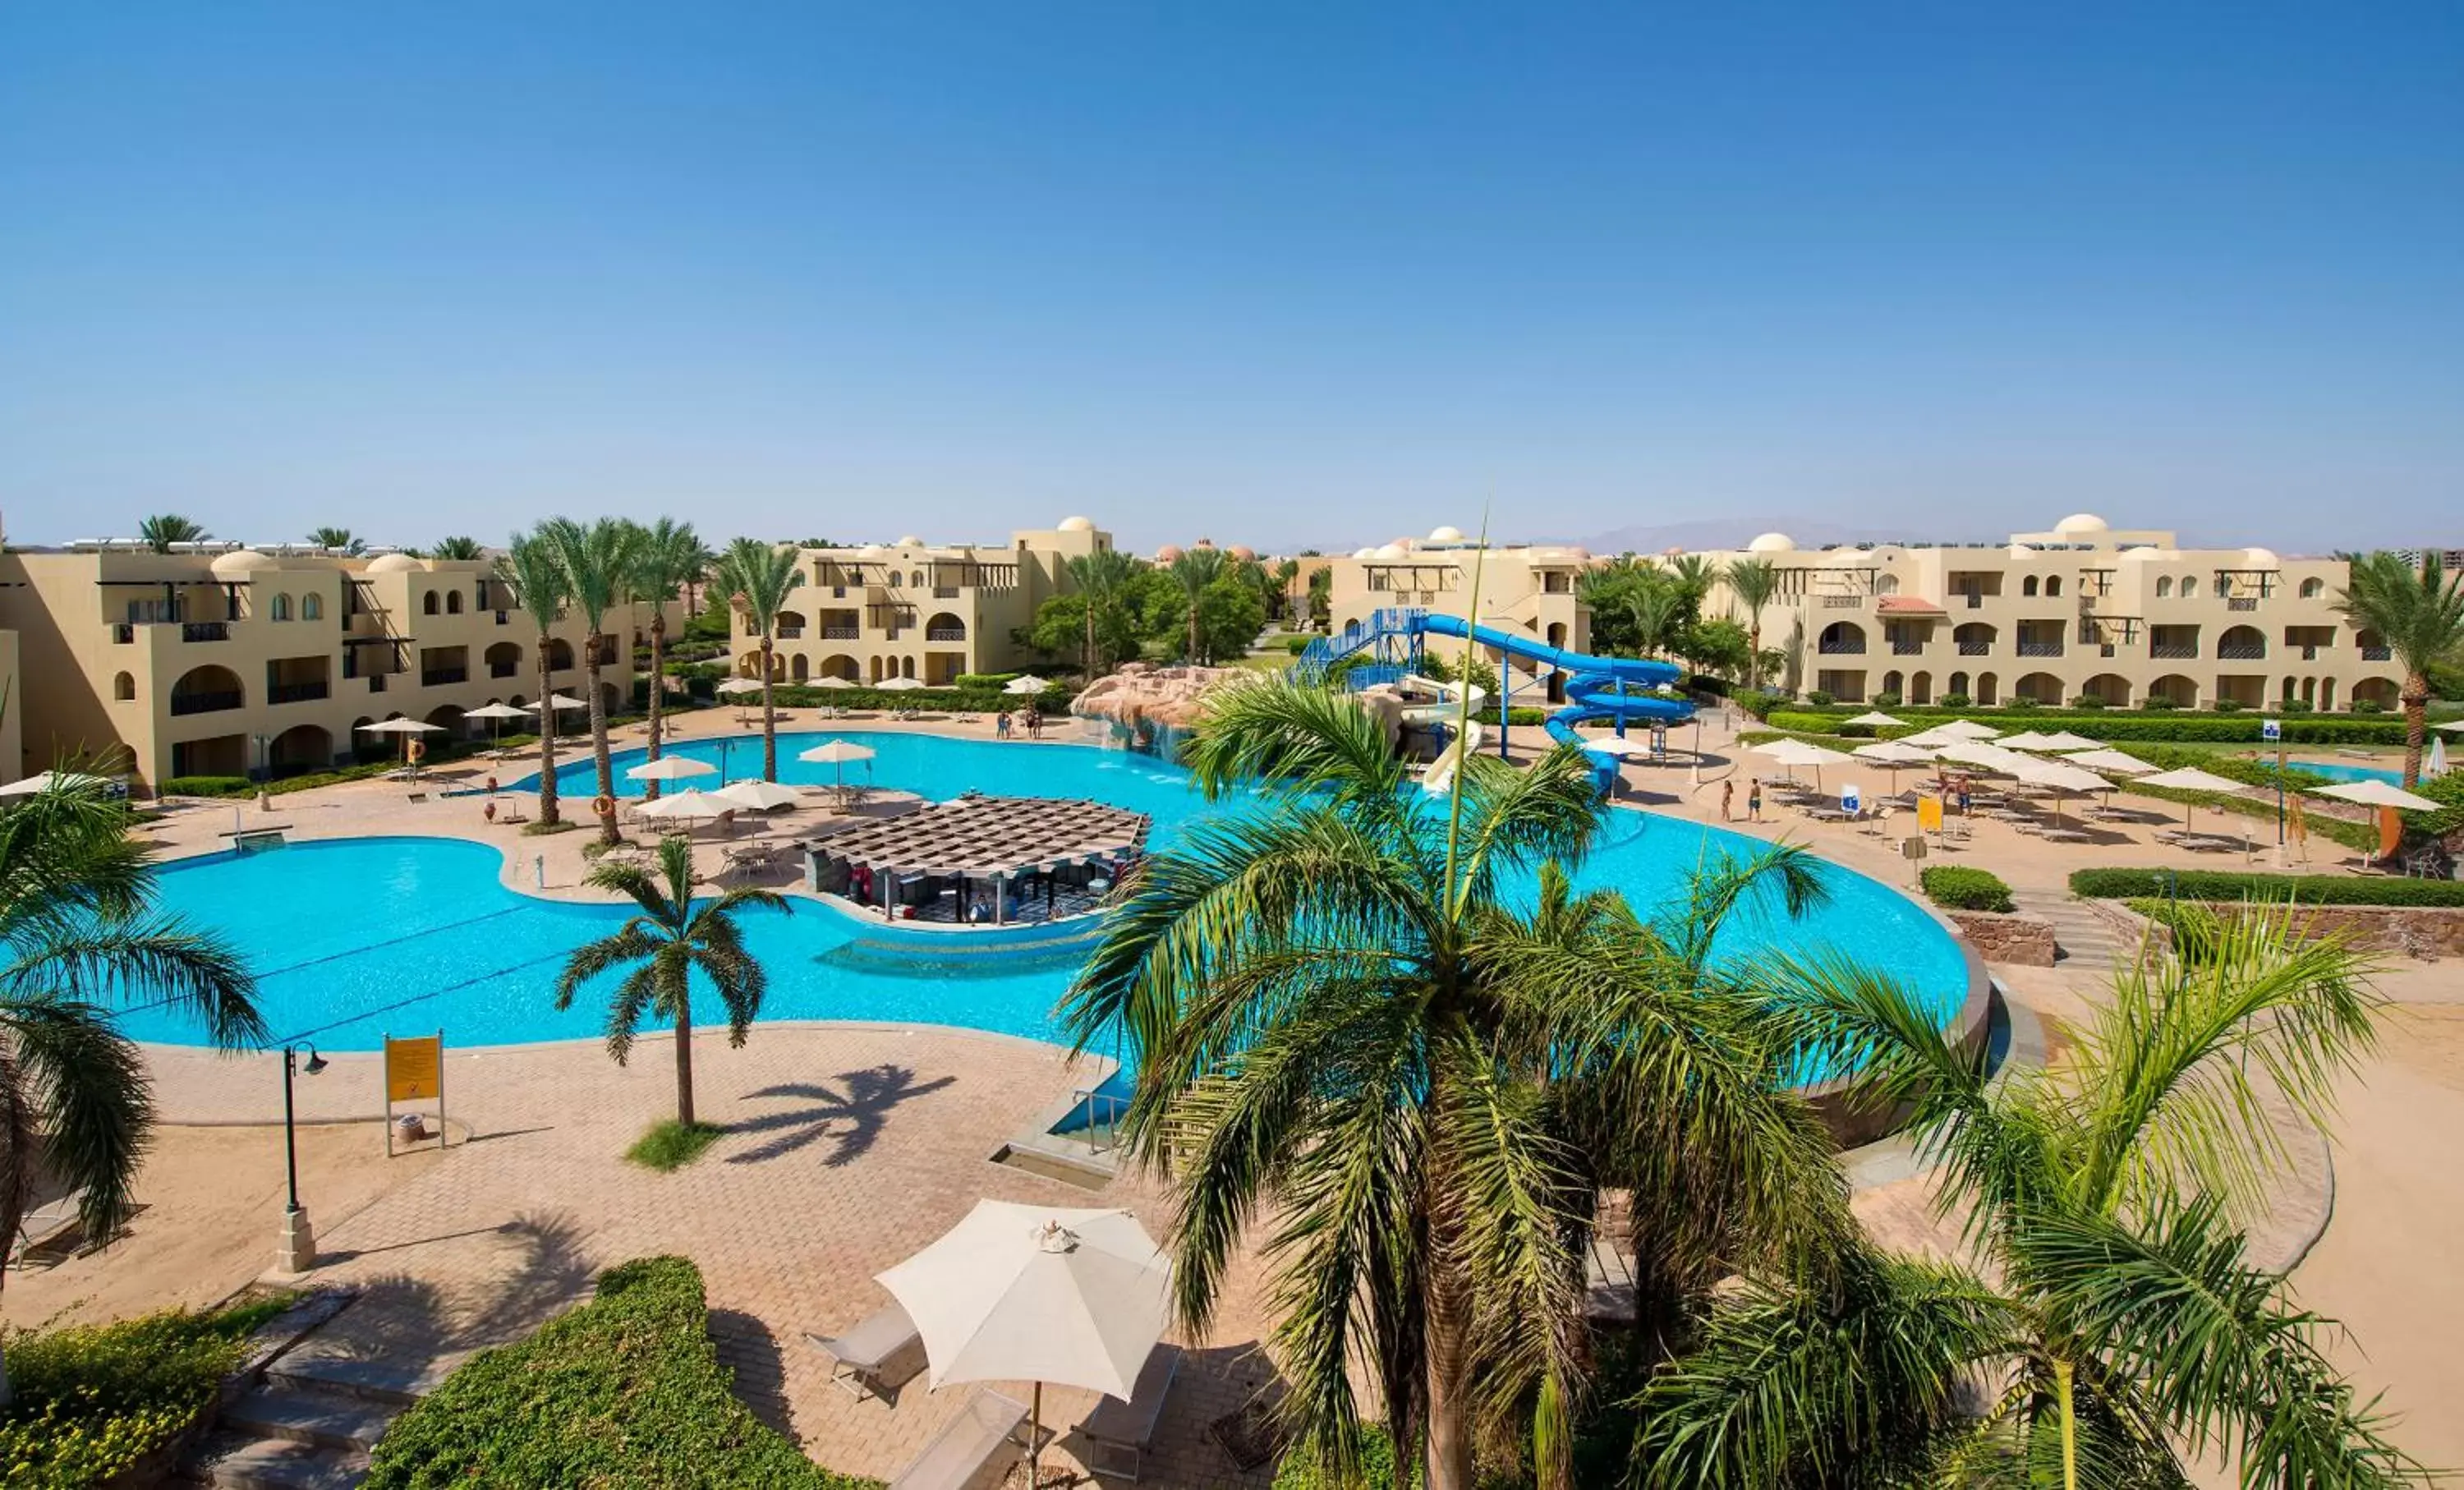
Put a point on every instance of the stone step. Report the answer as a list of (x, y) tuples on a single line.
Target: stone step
[(400, 1383), (239, 1462), (322, 1417)]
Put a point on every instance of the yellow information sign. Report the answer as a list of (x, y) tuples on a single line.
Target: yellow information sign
[(1928, 814), (414, 1068)]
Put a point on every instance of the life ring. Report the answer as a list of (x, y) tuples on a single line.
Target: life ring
[(605, 806), (417, 750)]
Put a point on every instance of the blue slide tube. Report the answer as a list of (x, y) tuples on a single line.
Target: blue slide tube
[(1597, 688)]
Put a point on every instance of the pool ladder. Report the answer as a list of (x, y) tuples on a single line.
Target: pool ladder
[(1102, 1113)]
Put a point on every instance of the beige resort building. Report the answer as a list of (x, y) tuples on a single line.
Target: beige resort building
[(1523, 587), (912, 610), (2086, 610), (237, 663)]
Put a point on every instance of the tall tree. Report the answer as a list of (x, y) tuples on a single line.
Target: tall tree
[(1101, 577), (670, 938), (598, 562), (1753, 582), (669, 556), (78, 931), (1194, 570), (1343, 1016), (457, 546), (165, 529), (756, 579), (1286, 572), (530, 567), (1657, 605), (2121, 1329), (342, 540), (2419, 613)]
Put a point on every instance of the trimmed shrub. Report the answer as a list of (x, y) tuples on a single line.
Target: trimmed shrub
[(1856, 731), (1818, 697), (1886, 700), (2021, 706), (2157, 703), (2227, 706), (1954, 701), (209, 786), (92, 1400), (626, 1389), (2225, 885), (1958, 888), (2368, 706), (1296, 645), (2086, 701), (2297, 706)]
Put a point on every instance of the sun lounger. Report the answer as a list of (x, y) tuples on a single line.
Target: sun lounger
[(966, 1443), (44, 1224), (865, 1359), (1123, 1429)]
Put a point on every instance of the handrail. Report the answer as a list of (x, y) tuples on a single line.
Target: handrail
[(1084, 1100)]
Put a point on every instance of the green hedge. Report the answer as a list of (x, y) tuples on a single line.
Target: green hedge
[(1962, 889), (93, 1399), (626, 1389), (1053, 701), (2113, 725), (2314, 889)]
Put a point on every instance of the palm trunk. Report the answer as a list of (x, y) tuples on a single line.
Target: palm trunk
[(1449, 1450), (1089, 670), (769, 718), (683, 1067), (547, 740), (1193, 630), (1754, 652), (658, 686), (2416, 719), (607, 831)]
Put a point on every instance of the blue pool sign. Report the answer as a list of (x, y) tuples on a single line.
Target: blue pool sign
[(1849, 802), (2270, 730)]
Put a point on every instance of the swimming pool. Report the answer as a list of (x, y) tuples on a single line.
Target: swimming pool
[(353, 939), (2338, 771)]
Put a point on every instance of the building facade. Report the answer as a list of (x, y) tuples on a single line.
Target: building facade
[(912, 610), (2086, 610), (240, 662), (1522, 587)]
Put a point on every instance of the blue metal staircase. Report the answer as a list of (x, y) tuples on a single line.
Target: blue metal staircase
[(1391, 638)]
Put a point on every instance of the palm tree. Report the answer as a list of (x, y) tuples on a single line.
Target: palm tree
[(161, 531), (672, 937), (1342, 1018), (1753, 582), (340, 539), (1196, 570), (2115, 1322), (456, 547), (1285, 572), (1100, 576), (598, 563), (1658, 607), (757, 577), (529, 565), (2419, 615), (669, 556), (77, 927)]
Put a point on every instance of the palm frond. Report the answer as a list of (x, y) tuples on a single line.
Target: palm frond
[(192, 972), (1731, 883), (636, 993), (1298, 739), (86, 1086), (717, 948), (630, 943), (1519, 817)]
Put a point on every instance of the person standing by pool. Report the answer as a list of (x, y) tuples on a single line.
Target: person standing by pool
[(1034, 722), (1754, 800), (1728, 800), (1001, 726)]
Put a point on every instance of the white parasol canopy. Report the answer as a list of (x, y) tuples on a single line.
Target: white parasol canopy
[(836, 753), (2452, 727), (2062, 776), (2064, 739), (832, 680), (1990, 757), (2189, 778), (1945, 734), (898, 685), (2435, 764), (1617, 746), (50, 780), (2029, 739), (1877, 718), (670, 768), (733, 686), (1803, 752), (2377, 794), (1893, 753), (757, 795), (1968, 730), (558, 702), (402, 727), (1025, 683), (497, 711), (1036, 1293), (690, 806), (2112, 763)]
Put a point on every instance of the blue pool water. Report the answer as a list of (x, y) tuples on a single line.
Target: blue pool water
[(2338, 771), (355, 939)]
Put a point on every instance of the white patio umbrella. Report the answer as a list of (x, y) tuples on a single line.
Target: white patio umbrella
[(1802, 753), (1037, 1294), (1943, 735), (2064, 739), (2027, 739), (2376, 794), (1893, 756), (406, 728), (1990, 758), (2452, 727), (690, 806), (493, 713), (670, 768), (1968, 730), (49, 779), (2189, 778), (2437, 764), (899, 684), (837, 752), (1024, 684), (2064, 778), (560, 702), (735, 686), (833, 680), (1877, 718), (757, 795)]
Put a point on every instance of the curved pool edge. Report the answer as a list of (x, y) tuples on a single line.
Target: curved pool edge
[(1853, 1121)]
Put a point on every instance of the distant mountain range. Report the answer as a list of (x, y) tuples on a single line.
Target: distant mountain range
[(1713, 533)]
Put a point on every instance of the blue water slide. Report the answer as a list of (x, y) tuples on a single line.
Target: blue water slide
[(1616, 689)]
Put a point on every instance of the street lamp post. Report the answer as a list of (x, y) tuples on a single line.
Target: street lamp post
[(294, 1250)]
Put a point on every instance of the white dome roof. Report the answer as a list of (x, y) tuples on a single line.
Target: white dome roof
[(1406, 544), (1244, 550), (1772, 544), (872, 551), (1388, 551), (394, 563), (1167, 554), (1364, 553), (1077, 525), (911, 540), (2262, 559), (2082, 522), (1445, 534), (240, 561)]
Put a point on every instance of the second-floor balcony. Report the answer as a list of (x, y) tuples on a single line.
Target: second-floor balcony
[(1843, 647), (945, 633), (205, 630), (789, 633), (206, 703), (2174, 651), (298, 692), (2037, 648), (840, 633), (2241, 602), (1976, 649), (1901, 646), (439, 677), (2377, 653), (2242, 651)]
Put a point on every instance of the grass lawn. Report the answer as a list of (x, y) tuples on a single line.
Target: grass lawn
[(671, 1145)]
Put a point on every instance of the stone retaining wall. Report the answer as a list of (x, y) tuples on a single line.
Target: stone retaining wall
[(2028, 941), (2428, 933)]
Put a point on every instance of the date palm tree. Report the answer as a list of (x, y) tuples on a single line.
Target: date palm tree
[(530, 567), (1195, 569), (342, 540), (672, 937), (2116, 1324), (1343, 1018), (78, 932), (757, 577), (1101, 577), (457, 546), (669, 556), (1753, 582), (165, 529), (1285, 572), (1657, 605), (598, 560), (2419, 613)]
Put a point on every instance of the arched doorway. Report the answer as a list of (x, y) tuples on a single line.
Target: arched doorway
[(560, 655), (448, 719), (1989, 689), (2109, 688), (207, 690), (839, 664), (504, 660), (2039, 688), (799, 669), (1921, 688), (2175, 690), (2381, 691), (299, 749)]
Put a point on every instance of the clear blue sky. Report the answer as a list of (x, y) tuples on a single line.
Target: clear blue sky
[(1277, 272)]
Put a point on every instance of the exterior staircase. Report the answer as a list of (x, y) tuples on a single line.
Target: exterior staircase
[(2082, 938)]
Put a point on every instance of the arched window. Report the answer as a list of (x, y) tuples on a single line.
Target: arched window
[(2052, 584), (281, 607), (2028, 586), (894, 580), (454, 603), (312, 607), (2164, 587), (2189, 587), (427, 604), (2312, 589), (123, 688), (917, 578)]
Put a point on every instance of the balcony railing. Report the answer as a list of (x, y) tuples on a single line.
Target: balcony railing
[(2040, 648), (1976, 602), (1901, 648), (437, 677), (1976, 649), (945, 633), (789, 633), (840, 633), (204, 703), (2310, 651), (2242, 651), (300, 692), (945, 592), (205, 630), (2377, 653), (2243, 603), (1842, 602), (1849, 649), (123, 632), (2178, 651), (504, 670)]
